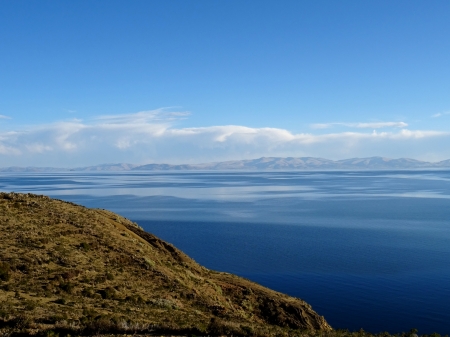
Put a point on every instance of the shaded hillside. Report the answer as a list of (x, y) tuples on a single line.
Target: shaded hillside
[(78, 270)]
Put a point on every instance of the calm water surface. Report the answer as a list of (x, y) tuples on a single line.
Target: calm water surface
[(367, 249)]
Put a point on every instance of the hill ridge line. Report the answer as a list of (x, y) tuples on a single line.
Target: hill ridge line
[(259, 164)]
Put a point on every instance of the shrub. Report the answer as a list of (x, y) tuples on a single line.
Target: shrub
[(100, 279), (60, 301), (247, 330), (84, 246), (6, 287), (135, 299), (24, 268), (218, 327), (108, 293), (5, 271), (88, 292), (51, 333), (89, 315), (30, 305), (67, 287), (69, 274), (100, 324)]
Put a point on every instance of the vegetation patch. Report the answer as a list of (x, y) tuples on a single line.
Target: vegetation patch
[(5, 271)]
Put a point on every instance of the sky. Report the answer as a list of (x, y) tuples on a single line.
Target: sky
[(178, 81)]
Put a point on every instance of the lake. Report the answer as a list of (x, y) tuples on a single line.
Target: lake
[(367, 249)]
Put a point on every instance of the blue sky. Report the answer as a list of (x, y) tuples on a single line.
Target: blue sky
[(89, 82)]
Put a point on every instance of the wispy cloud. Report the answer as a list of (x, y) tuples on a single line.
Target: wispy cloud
[(440, 114), (155, 116), (4, 117), (372, 125), (153, 136)]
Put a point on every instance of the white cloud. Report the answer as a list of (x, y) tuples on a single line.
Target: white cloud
[(159, 115), (440, 114), (5, 150), (372, 125), (151, 136), (38, 148), (322, 125), (379, 125), (4, 117)]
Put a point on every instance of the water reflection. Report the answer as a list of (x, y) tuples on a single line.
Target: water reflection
[(236, 186)]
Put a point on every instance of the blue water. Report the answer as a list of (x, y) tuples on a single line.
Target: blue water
[(366, 249)]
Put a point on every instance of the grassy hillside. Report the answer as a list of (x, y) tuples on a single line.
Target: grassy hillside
[(71, 269)]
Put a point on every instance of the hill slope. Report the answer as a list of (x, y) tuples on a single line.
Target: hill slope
[(69, 268)]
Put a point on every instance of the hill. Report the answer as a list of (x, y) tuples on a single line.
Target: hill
[(306, 163), (70, 269), (264, 163)]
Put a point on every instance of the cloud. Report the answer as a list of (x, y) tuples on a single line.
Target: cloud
[(440, 114), (38, 148), (153, 136), (155, 116), (373, 125), (4, 117)]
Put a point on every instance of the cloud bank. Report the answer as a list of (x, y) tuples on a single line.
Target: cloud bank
[(153, 136)]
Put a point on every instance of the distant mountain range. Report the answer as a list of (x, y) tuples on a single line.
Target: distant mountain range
[(264, 163)]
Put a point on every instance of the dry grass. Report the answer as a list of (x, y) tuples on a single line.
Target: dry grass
[(69, 269)]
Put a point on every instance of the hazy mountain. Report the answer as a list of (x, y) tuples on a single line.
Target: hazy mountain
[(107, 167), (444, 163), (384, 163), (102, 167), (163, 167), (305, 163), (264, 163), (31, 169)]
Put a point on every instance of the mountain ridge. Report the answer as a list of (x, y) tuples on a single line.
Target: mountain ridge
[(263, 163)]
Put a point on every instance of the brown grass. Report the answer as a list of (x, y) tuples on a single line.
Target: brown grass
[(67, 268)]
